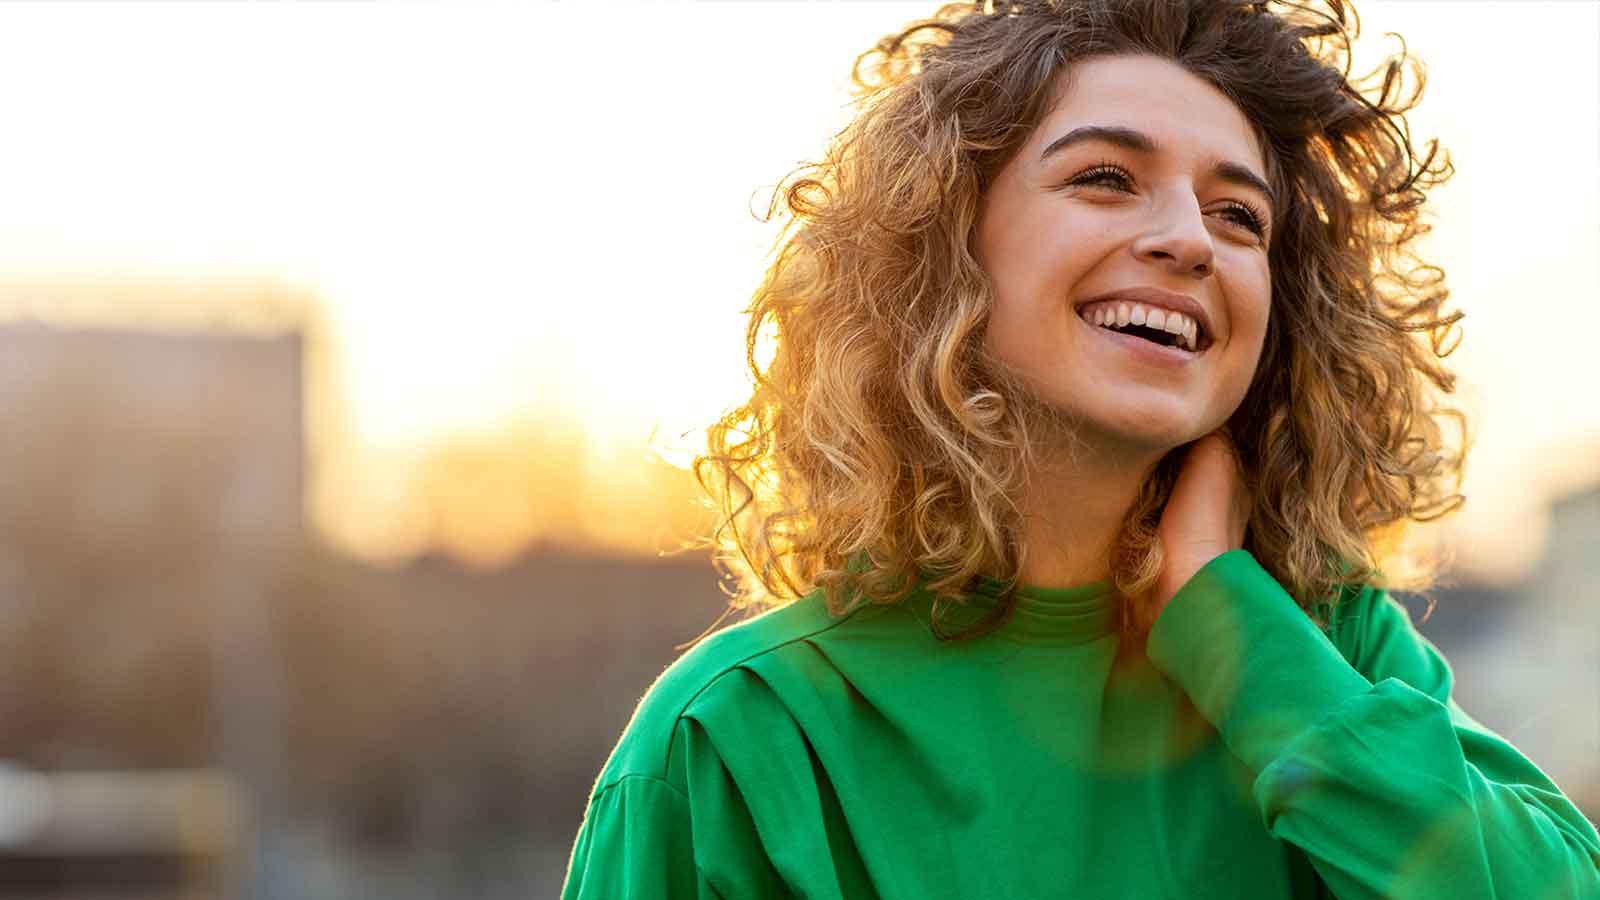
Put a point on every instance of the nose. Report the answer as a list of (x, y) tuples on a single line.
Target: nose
[(1177, 237)]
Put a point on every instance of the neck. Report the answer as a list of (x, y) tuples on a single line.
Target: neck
[(1071, 518), (1081, 482), (1080, 488)]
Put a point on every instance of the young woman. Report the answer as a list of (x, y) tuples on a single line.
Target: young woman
[(1106, 382)]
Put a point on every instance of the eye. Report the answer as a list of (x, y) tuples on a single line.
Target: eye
[(1112, 175), (1104, 173), (1247, 216)]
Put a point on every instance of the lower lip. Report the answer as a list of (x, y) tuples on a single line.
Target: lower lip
[(1146, 351)]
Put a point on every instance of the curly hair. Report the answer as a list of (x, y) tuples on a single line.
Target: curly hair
[(881, 447)]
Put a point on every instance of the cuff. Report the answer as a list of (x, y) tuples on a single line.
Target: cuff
[(1252, 662)]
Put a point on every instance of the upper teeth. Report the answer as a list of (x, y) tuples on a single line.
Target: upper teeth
[(1122, 313)]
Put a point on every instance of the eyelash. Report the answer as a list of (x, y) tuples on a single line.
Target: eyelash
[(1257, 219)]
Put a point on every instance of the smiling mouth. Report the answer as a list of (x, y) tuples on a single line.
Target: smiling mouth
[(1164, 338), (1157, 336)]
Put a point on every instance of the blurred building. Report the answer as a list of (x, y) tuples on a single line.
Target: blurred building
[(224, 410), (1529, 664), (151, 486), (428, 731)]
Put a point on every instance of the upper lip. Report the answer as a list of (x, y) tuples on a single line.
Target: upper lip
[(1152, 296)]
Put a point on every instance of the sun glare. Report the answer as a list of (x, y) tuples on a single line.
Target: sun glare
[(517, 236)]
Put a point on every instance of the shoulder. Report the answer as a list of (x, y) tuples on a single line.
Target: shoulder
[(644, 747)]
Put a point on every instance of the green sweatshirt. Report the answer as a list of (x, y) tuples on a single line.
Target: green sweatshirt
[(1242, 752)]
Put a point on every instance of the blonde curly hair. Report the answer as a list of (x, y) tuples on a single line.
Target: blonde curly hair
[(881, 448)]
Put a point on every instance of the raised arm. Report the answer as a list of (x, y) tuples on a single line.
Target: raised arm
[(1362, 758)]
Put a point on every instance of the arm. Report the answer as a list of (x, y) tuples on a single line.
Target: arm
[(1371, 769), (684, 835), (635, 843)]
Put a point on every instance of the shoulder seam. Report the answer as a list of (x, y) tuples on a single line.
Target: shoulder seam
[(667, 763), (642, 776)]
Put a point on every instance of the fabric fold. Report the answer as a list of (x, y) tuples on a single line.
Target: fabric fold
[(1385, 783), (1242, 752)]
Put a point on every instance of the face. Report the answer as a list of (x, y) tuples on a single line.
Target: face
[(1168, 206)]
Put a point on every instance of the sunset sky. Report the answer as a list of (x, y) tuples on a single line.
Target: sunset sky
[(536, 218)]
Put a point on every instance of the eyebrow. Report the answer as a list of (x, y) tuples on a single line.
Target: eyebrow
[(1139, 142)]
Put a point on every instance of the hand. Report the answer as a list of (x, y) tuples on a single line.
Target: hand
[(1205, 516)]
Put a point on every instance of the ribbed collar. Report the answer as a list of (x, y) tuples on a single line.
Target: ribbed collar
[(1043, 615)]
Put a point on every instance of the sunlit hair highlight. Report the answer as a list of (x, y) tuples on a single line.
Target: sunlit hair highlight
[(881, 447)]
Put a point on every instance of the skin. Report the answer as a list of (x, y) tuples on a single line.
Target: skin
[(1047, 244)]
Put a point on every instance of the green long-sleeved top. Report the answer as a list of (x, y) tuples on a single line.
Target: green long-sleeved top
[(1240, 752)]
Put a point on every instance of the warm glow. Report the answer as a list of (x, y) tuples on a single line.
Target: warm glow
[(531, 227)]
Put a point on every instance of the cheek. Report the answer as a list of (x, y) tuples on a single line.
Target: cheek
[(1026, 289), (1255, 344), (1251, 292), (1006, 335), (1032, 250), (1262, 316)]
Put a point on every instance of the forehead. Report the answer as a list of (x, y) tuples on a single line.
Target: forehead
[(1185, 114)]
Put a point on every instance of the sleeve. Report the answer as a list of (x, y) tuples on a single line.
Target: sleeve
[(635, 843), (1367, 764), (686, 836)]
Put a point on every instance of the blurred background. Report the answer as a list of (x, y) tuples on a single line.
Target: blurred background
[(351, 353)]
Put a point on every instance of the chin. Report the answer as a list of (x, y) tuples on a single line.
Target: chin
[(1146, 435), (1128, 443)]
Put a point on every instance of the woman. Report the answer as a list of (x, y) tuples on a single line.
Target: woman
[(1103, 393)]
